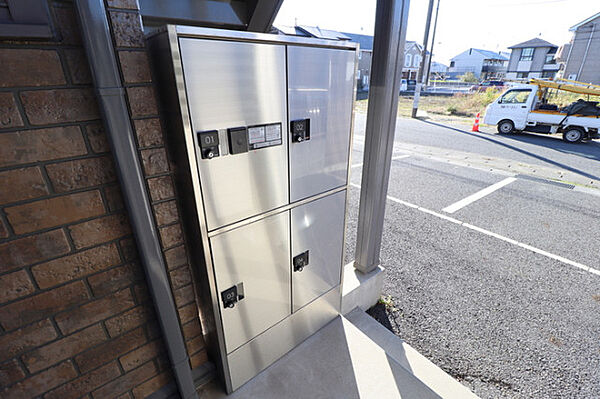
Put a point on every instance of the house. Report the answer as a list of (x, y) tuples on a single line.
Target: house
[(438, 70), (484, 64), (532, 59), (365, 55), (412, 51), (580, 58)]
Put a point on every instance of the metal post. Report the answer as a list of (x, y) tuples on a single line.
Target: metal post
[(111, 100), (423, 57), (437, 13), (388, 58)]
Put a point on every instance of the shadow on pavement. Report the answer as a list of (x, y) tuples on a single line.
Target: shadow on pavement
[(589, 150)]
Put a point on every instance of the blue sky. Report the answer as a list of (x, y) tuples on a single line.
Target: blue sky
[(488, 24)]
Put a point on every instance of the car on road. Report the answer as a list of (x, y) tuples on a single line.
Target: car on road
[(408, 85), (494, 84)]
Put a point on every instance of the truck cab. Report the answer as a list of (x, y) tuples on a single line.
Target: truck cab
[(510, 110)]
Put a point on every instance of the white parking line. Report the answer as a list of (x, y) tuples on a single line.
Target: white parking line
[(492, 234), (478, 195), (393, 159)]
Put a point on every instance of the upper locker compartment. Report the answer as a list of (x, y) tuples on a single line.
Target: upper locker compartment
[(320, 95), (237, 101)]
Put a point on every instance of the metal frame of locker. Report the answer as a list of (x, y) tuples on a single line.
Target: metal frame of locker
[(239, 366)]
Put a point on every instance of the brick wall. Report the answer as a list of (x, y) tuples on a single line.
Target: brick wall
[(75, 314)]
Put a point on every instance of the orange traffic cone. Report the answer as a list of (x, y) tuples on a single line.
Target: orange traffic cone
[(475, 127)]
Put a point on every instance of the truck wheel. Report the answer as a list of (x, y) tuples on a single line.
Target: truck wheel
[(506, 127), (573, 135)]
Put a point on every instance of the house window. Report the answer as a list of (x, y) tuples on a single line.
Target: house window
[(358, 74), (360, 55), (451, 64), (550, 59), (548, 74), (417, 61), (407, 60), (522, 75), (527, 54)]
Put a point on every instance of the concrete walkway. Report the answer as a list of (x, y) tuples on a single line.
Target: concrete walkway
[(351, 357)]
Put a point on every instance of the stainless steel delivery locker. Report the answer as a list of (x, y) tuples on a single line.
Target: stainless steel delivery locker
[(259, 129)]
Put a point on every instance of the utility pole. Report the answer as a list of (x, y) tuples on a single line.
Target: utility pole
[(437, 12), (423, 57)]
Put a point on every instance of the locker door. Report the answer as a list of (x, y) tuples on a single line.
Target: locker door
[(257, 256), (320, 90), (317, 236), (232, 85)]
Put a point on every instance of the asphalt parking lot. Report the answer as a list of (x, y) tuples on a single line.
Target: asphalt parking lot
[(493, 275)]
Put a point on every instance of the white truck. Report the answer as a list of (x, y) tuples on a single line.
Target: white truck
[(525, 108)]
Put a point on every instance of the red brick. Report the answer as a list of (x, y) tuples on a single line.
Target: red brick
[(129, 249), (25, 251), (75, 266), (86, 383), (166, 213), (3, 231), (127, 29), (126, 382), (152, 385), (128, 4), (184, 295), (180, 277), (62, 349), (161, 188), (188, 312), (191, 329), (114, 198), (40, 145), (110, 350), (141, 355), (15, 285), (42, 382), (128, 321), (78, 66), (148, 132), (97, 138), (176, 257), (11, 344), (113, 280), (155, 161), (142, 101), (9, 114), (153, 330), (141, 293), (135, 67), (29, 67), (42, 305), (24, 184), (94, 311), (198, 359), (100, 230), (171, 236), (10, 372), (195, 344), (67, 24), (44, 107), (54, 212), (81, 173)]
